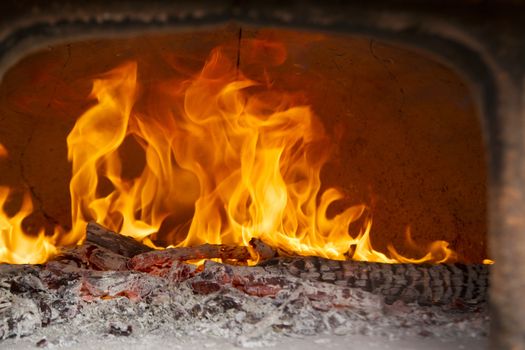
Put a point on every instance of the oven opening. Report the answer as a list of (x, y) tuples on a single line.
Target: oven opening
[(250, 183)]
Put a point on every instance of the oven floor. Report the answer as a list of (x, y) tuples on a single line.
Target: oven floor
[(63, 313), (307, 343)]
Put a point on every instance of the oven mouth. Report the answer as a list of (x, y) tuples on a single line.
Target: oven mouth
[(464, 52)]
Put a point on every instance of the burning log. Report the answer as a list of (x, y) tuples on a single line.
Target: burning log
[(117, 243), (104, 250), (453, 285), (165, 258), (143, 257), (95, 257), (425, 284), (443, 284)]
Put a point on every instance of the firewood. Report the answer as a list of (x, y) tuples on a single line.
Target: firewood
[(144, 257), (117, 243), (425, 284), (92, 256), (452, 285), (263, 251), (128, 247), (166, 257)]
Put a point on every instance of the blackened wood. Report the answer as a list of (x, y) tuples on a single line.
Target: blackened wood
[(263, 251), (453, 284), (456, 286), (425, 284), (159, 258), (94, 257), (166, 257), (117, 243), (128, 247)]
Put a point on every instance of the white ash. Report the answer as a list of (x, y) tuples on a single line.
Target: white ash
[(65, 314)]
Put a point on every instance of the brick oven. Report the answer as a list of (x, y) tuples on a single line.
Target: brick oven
[(253, 171)]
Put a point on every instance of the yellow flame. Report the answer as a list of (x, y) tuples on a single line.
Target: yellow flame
[(252, 158), (246, 158), (488, 261), (16, 247), (92, 147)]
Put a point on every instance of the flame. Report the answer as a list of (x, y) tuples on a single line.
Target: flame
[(245, 157), (16, 247), (251, 155), (437, 251)]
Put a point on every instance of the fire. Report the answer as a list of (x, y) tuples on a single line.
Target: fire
[(244, 156), (16, 247), (438, 251)]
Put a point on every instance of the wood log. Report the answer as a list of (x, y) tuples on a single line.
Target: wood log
[(165, 258), (117, 243), (457, 286), (128, 247), (425, 284), (92, 256), (263, 251)]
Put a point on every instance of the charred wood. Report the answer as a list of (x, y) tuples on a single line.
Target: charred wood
[(167, 257), (424, 284), (454, 285), (144, 257), (117, 243), (164, 258), (446, 284), (92, 256)]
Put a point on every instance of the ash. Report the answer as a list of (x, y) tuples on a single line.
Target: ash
[(61, 305)]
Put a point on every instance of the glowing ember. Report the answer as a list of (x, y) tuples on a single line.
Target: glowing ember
[(246, 157)]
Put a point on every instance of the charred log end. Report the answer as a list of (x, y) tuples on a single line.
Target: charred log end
[(117, 243), (263, 251)]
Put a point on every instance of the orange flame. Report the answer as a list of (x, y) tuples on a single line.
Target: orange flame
[(248, 158), (437, 251), (245, 157)]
